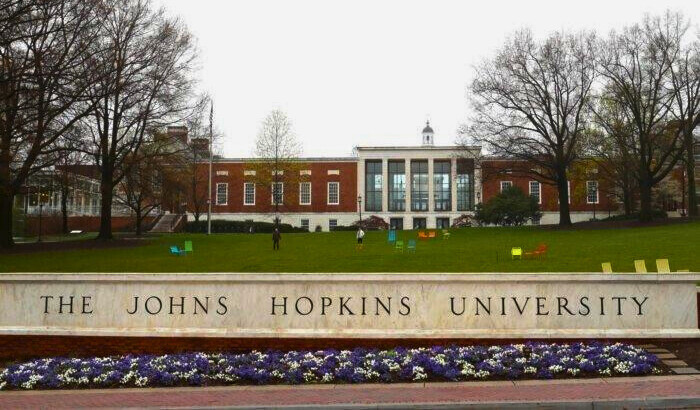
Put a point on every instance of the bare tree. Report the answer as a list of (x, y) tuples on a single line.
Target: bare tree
[(148, 84), (610, 143), (637, 66), (67, 178), (530, 103), (140, 189), (685, 76), (277, 151), (44, 49)]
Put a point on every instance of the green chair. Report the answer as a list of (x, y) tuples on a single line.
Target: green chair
[(411, 246), (445, 234), (188, 247), (640, 266), (662, 266), (607, 267), (399, 246), (516, 253)]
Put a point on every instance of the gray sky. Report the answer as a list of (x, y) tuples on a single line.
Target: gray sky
[(361, 72)]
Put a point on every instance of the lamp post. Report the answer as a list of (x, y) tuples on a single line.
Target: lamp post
[(359, 207)]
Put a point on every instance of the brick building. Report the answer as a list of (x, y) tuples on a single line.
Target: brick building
[(410, 187)]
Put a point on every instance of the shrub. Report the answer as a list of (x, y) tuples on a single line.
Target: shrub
[(512, 207), (656, 214), (222, 226), (373, 223), (463, 221)]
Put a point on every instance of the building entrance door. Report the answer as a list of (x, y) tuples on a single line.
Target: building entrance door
[(396, 223), (442, 223), (419, 223)]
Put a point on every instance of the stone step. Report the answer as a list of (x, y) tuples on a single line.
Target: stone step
[(685, 370), (675, 363)]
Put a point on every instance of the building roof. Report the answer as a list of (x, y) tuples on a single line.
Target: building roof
[(428, 128)]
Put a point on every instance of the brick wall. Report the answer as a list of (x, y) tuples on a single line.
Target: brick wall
[(321, 174), (495, 171), (52, 224)]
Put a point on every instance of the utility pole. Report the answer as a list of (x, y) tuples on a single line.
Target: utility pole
[(211, 159)]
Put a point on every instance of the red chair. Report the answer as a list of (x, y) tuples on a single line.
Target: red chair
[(539, 252)]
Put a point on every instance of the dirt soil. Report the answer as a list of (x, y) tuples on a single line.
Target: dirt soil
[(686, 350)]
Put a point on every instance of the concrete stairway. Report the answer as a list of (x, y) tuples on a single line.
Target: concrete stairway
[(166, 223)]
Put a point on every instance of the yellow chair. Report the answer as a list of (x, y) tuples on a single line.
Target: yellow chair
[(607, 267), (640, 266), (683, 271), (516, 252), (662, 266)]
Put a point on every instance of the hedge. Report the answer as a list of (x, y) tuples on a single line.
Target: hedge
[(222, 226)]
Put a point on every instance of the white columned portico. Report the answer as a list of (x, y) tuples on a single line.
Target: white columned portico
[(477, 185), (407, 168), (430, 222), (385, 185), (453, 184)]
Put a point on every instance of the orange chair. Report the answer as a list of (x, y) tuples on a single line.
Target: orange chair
[(422, 235), (432, 234), (539, 252)]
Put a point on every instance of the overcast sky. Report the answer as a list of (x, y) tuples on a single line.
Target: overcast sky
[(351, 73)]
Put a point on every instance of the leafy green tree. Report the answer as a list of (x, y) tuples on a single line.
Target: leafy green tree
[(512, 207)]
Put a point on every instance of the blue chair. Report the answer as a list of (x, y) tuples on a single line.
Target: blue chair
[(174, 250), (411, 247), (391, 236)]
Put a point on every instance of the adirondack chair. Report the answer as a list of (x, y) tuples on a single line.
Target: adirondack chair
[(391, 236), (662, 266), (445, 234), (422, 235), (432, 234), (399, 246), (188, 247), (411, 246), (539, 252), (174, 250), (516, 253), (607, 267), (640, 266)]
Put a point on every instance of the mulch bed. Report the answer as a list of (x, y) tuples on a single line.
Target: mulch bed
[(686, 350), (87, 244)]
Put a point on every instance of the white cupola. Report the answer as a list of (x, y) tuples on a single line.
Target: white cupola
[(428, 134)]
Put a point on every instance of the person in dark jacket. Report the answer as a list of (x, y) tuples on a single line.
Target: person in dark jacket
[(276, 238)]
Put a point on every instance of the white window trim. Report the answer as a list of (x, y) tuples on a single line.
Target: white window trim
[(244, 193), (510, 182), (597, 194), (539, 192), (328, 194), (272, 193), (217, 193), (300, 185)]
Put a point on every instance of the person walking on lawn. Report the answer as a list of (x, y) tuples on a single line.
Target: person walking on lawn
[(276, 238), (360, 234)]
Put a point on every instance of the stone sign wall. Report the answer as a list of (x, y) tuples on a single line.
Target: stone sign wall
[(351, 305)]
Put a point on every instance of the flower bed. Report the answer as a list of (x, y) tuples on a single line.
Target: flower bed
[(530, 360)]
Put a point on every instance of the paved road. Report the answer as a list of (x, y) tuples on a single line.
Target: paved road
[(640, 392)]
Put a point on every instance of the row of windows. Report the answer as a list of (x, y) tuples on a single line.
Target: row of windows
[(277, 193), (419, 180), (536, 190)]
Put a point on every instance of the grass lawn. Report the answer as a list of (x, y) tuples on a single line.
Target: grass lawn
[(468, 250)]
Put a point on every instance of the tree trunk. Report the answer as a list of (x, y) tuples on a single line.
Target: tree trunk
[(645, 206), (106, 207), (138, 223), (64, 210), (6, 200), (563, 188), (690, 171), (627, 201)]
